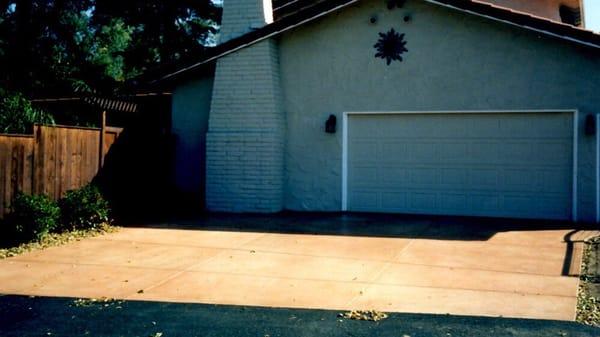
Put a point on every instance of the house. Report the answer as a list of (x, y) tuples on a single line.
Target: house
[(450, 107)]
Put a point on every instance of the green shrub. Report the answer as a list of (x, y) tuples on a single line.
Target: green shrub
[(83, 208), (17, 115), (32, 216)]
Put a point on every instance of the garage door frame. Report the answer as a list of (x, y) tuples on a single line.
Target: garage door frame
[(347, 114)]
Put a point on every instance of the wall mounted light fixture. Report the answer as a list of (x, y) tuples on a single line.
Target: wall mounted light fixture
[(330, 124), (590, 125)]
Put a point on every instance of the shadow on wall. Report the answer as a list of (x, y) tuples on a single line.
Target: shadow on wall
[(136, 175)]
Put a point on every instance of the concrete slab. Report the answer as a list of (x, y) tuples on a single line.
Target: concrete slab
[(357, 247), (534, 259), (505, 271), (469, 279), (466, 302), (291, 266)]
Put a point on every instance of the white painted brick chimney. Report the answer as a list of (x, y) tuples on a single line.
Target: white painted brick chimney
[(242, 16), (246, 127)]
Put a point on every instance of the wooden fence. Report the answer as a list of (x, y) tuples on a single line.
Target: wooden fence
[(53, 160)]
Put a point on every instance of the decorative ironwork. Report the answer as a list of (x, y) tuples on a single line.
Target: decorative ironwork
[(390, 46)]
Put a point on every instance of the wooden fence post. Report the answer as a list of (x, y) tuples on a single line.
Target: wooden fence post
[(102, 132)]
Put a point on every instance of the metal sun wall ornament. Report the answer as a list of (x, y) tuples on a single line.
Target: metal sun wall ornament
[(390, 46)]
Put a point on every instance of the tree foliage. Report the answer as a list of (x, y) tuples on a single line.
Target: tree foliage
[(17, 115), (53, 47)]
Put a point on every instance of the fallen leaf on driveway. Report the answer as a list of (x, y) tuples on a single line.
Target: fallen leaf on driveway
[(364, 315)]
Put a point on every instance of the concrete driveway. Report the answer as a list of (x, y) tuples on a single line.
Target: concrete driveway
[(419, 266)]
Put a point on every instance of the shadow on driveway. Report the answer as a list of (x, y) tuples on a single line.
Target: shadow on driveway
[(364, 224), (381, 225), (25, 316)]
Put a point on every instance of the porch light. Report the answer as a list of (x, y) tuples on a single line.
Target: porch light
[(330, 124), (590, 125)]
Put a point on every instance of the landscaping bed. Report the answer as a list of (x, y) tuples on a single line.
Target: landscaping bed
[(56, 239), (588, 298), (37, 222)]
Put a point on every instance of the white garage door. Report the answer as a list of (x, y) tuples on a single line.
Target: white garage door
[(482, 164)]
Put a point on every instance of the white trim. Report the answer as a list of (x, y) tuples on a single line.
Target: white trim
[(597, 168), (345, 162), (575, 113)]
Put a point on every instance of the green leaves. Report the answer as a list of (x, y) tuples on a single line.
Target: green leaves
[(32, 216), (17, 115), (83, 208), (52, 48), (108, 47)]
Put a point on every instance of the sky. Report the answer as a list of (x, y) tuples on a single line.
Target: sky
[(592, 14)]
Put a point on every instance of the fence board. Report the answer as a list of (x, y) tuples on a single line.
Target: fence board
[(53, 160), (16, 155)]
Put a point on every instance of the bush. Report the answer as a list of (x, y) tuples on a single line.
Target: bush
[(32, 216), (17, 115), (83, 208)]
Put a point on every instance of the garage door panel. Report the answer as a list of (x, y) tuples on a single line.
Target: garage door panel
[(483, 151), (453, 178), (392, 151), (453, 201), (365, 200), (394, 201), (364, 176), (549, 177), (394, 177), (520, 180), (483, 179), (508, 173), (450, 151), (364, 151), (554, 152)]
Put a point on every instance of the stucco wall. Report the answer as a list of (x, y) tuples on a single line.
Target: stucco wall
[(190, 110), (455, 61)]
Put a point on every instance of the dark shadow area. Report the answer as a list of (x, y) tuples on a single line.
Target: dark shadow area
[(136, 175), (566, 268), (24, 316), (361, 224)]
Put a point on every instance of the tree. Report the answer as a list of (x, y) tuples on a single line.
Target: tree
[(57, 47), (17, 115)]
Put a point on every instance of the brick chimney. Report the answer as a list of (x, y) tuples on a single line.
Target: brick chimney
[(245, 140), (242, 16)]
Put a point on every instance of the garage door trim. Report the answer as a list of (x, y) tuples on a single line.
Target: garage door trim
[(346, 115)]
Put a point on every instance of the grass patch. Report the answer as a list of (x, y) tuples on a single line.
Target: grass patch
[(588, 296), (56, 239)]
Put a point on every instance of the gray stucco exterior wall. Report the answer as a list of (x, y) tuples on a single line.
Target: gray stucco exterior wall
[(189, 118), (455, 61)]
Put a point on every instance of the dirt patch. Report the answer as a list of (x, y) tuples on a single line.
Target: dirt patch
[(53, 239), (588, 297)]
